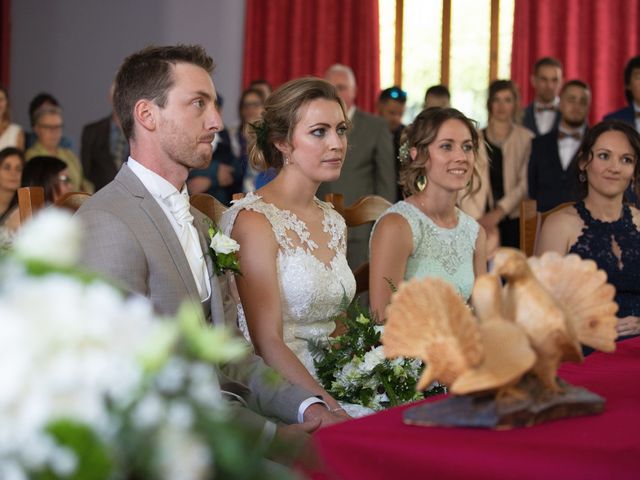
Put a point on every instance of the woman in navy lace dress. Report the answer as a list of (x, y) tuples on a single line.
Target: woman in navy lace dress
[(601, 226)]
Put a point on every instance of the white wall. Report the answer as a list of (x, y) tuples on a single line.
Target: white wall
[(72, 49)]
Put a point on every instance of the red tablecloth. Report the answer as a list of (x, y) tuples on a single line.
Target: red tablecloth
[(605, 446)]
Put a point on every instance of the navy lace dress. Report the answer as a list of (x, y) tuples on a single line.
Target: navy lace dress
[(623, 273)]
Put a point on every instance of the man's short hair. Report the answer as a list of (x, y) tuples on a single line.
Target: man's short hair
[(632, 64), (147, 74), (340, 68), (393, 93), (546, 62), (438, 91), (574, 83), (39, 100)]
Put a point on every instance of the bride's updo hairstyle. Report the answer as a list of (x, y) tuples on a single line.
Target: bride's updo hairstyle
[(419, 135), (281, 114)]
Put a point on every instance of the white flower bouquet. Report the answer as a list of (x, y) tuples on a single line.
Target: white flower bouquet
[(353, 369), (94, 386)]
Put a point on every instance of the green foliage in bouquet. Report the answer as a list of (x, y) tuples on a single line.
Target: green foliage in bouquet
[(352, 367)]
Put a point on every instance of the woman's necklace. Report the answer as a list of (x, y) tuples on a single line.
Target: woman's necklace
[(448, 221)]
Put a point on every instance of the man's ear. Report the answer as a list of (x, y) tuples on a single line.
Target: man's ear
[(145, 113)]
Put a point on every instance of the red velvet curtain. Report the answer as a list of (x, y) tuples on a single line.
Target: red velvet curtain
[(592, 38), (5, 36), (285, 39)]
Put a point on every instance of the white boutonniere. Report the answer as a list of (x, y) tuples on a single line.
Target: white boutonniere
[(223, 251)]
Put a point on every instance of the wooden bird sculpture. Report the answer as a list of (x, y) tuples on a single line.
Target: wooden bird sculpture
[(504, 358), (559, 302)]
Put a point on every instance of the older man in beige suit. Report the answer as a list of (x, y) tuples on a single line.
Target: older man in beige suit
[(142, 232), (369, 168)]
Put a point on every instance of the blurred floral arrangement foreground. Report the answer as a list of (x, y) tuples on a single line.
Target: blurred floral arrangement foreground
[(93, 385)]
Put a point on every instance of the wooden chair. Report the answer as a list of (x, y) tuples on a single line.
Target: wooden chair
[(72, 201), (531, 222), (365, 210), (208, 205), (31, 200)]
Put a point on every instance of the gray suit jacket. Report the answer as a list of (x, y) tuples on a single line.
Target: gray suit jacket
[(129, 239), (369, 169)]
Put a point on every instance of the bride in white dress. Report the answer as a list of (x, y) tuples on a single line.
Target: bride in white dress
[(295, 277)]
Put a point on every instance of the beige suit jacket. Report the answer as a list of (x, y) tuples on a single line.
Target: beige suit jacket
[(516, 150), (128, 238)]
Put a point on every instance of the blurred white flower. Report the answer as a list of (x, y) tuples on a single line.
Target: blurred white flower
[(52, 236), (149, 412), (182, 455)]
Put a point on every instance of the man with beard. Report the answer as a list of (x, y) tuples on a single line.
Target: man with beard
[(141, 231), (542, 115), (552, 175)]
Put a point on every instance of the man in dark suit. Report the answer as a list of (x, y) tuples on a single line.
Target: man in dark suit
[(542, 115), (141, 231), (631, 113), (552, 176), (223, 177), (369, 167), (391, 106), (103, 150)]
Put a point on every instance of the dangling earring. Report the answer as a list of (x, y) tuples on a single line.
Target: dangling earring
[(421, 182), (286, 160), (582, 176)]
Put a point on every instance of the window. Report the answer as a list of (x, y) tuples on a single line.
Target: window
[(446, 41)]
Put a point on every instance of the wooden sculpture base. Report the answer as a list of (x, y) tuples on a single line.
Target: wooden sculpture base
[(527, 403)]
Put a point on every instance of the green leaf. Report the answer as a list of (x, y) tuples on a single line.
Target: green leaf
[(93, 458)]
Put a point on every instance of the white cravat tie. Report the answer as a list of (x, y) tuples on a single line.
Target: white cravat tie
[(178, 204)]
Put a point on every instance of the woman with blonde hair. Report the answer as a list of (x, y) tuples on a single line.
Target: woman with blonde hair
[(295, 277), (426, 235)]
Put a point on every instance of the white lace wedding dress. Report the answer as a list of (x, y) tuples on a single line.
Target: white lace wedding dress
[(312, 293)]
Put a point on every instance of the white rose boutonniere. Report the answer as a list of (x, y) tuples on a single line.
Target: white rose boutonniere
[(223, 251)]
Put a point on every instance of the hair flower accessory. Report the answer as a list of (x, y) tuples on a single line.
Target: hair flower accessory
[(403, 152), (223, 251)]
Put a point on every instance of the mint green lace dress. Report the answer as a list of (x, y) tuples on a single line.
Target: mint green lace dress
[(446, 253)]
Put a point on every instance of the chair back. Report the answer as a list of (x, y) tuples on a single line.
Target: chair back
[(208, 205), (72, 201), (365, 210), (30, 200), (531, 222), (529, 226)]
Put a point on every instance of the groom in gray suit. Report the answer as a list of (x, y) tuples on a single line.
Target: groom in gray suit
[(142, 232)]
